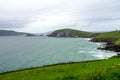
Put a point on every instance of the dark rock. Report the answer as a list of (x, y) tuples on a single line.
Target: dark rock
[(111, 47), (30, 35), (102, 40), (109, 44)]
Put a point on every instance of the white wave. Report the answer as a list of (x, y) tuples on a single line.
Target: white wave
[(104, 55), (98, 44), (81, 51), (88, 39), (99, 56), (94, 52)]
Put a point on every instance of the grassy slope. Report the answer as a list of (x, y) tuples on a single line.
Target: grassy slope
[(110, 35), (95, 70), (117, 42), (115, 36), (73, 31), (112, 73)]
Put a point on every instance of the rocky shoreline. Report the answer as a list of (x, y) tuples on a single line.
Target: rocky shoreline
[(108, 45)]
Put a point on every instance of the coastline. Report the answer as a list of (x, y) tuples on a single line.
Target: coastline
[(106, 44), (56, 63), (63, 63), (58, 71)]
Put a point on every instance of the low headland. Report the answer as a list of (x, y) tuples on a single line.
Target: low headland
[(111, 40), (106, 69), (14, 33)]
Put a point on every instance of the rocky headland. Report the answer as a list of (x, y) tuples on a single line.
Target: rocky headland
[(112, 40)]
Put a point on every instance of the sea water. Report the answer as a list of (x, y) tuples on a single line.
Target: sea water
[(19, 52)]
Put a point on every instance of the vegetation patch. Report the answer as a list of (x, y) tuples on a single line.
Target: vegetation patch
[(112, 73), (117, 42), (110, 35)]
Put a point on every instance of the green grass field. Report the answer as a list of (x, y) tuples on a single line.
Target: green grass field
[(92, 70)]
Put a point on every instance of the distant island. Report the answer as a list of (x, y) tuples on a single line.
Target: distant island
[(13, 33)]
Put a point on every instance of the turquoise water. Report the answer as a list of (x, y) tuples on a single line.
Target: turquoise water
[(19, 52)]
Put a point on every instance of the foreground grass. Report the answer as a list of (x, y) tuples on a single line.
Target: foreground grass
[(112, 73), (95, 70)]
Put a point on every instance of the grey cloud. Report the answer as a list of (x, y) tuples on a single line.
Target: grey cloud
[(84, 14), (102, 19), (11, 24)]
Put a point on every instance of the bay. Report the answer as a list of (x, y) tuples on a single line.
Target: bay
[(19, 52)]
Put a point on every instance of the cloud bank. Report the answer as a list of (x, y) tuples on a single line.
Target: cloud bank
[(38, 16)]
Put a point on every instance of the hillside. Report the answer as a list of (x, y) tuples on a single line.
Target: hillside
[(70, 33), (11, 33), (115, 35), (92, 70), (111, 38)]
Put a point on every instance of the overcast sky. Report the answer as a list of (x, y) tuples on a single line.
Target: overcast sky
[(39, 16)]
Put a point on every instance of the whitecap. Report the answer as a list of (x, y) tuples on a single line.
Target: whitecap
[(88, 39), (81, 51), (99, 56), (98, 44)]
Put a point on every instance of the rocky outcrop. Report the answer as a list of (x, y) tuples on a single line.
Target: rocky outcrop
[(102, 40), (30, 35), (109, 44), (112, 48)]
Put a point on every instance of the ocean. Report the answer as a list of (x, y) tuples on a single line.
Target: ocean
[(20, 52)]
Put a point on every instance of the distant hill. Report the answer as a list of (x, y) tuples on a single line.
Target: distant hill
[(70, 33), (11, 33)]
